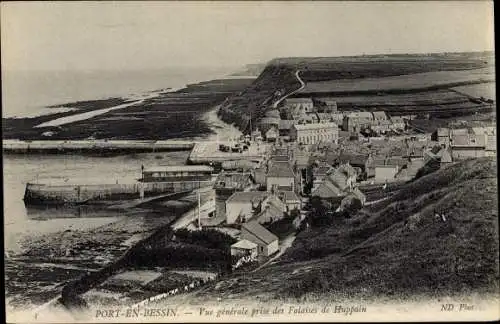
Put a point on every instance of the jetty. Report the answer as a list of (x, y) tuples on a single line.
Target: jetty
[(93, 146)]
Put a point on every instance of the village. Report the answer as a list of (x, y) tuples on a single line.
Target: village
[(307, 148)]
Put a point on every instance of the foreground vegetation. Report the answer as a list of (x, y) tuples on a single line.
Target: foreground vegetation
[(437, 236)]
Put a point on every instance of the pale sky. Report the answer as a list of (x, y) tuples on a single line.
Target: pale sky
[(130, 35)]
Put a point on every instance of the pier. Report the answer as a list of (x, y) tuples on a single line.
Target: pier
[(94, 146)]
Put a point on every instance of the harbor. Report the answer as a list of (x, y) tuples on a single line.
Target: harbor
[(154, 181)]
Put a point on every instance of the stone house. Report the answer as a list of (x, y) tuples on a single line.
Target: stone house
[(297, 106), (280, 177), (226, 184), (315, 133), (244, 248), (267, 242), (241, 206), (355, 122)]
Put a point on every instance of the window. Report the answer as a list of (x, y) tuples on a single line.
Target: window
[(261, 249)]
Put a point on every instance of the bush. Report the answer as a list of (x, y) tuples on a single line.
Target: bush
[(208, 238), (193, 256)]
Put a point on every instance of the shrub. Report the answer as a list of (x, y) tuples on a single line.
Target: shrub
[(208, 238)]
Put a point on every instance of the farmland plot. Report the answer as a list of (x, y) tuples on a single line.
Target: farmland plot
[(485, 90), (440, 97), (409, 82)]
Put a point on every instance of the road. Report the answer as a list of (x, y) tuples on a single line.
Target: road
[(302, 85)]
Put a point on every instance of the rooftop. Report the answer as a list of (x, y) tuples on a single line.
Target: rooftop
[(459, 131), (286, 124), (360, 114), (353, 159), (236, 180), (181, 168), (443, 131), (247, 196), (316, 126), (260, 231), (289, 195), (460, 139), (244, 244), (379, 115), (280, 170)]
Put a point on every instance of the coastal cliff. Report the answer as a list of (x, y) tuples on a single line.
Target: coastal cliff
[(367, 78)]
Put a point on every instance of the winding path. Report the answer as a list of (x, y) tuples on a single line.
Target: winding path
[(302, 85)]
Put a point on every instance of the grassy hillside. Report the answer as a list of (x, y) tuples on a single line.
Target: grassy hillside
[(372, 76), (398, 248)]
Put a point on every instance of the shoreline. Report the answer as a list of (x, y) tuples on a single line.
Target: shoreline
[(115, 238), (177, 113)]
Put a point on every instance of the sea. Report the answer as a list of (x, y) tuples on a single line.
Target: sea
[(27, 94)]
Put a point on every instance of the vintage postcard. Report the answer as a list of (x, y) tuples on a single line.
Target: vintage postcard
[(232, 161)]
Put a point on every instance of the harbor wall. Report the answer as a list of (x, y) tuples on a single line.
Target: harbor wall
[(78, 194), (93, 146)]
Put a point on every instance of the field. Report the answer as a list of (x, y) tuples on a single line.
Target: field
[(399, 83), (485, 90), (371, 81)]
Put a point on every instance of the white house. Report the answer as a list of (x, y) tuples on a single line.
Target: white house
[(266, 241)]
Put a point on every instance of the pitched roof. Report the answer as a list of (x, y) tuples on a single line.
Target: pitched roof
[(397, 119), (360, 114), (460, 139), (379, 114), (289, 195), (443, 131), (260, 231), (445, 156), (272, 209), (280, 170), (327, 189), (236, 180), (316, 126), (244, 244), (459, 131), (176, 168), (389, 162), (247, 196), (286, 124), (353, 159), (347, 170)]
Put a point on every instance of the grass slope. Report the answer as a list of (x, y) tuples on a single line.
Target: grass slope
[(352, 74), (398, 248)]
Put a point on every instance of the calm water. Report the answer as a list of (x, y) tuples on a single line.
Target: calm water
[(26, 93), (18, 170)]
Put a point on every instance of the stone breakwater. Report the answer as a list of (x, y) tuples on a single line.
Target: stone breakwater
[(63, 194), (94, 146)]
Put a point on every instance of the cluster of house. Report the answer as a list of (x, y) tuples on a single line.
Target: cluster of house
[(471, 142), (313, 120), (252, 198), (258, 195)]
